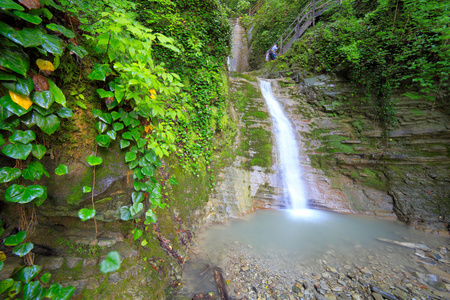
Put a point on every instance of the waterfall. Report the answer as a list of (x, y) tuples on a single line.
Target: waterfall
[(288, 151)]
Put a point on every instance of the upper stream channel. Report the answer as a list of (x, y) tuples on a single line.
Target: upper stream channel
[(301, 253)]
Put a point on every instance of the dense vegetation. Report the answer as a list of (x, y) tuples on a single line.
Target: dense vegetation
[(379, 45), (150, 75)]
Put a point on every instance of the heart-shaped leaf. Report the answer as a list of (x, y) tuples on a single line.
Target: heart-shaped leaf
[(45, 65), (99, 72), (38, 151), (118, 126), (112, 134), (34, 171), (137, 174), (43, 99), (133, 164), (11, 106), (141, 142), (125, 214), (111, 263), (14, 59), (48, 124), (124, 144), (56, 291), (20, 194), (136, 208), (130, 156), (105, 94), (17, 151), (15, 289), (93, 160), (22, 86), (148, 171), (27, 274), (116, 115), (103, 140), (87, 189), (44, 112), (61, 170), (58, 95), (137, 197), (137, 234), (46, 277), (6, 284), (21, 100), (150, 217), (33, 290), (23, 249), (15, 239), (78, 50), (85, 214), (23, 137), (65, 112), (101, 126), (52, 44), (8, 174), (106, 117)]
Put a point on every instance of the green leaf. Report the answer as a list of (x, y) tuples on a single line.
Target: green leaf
[(20, 194), (151, 157), (118, 126), (101, 126), (66, 32), (2, 141), (33, 290), (29, 18), (8, 174), (81, 104), (112, 134), (6, 284), (133, 164), (137, 234), (44, 112), (148, 171), (7, 76), (105, 94), (127, 135), (137, 197), (111, 263), (85, 214), (106, 117), (103, 140), (32, 37), (46, 277), (23, 137), (14, 59), (94, 161), (9, 4), (173, 181), (99, 72), (47, 13), (23, 249), (17, 151), (34, 171), (96, 112), (116, 115), (22, 86), (141, 142), (43, 99), (38, 151), (61, 170), (15, 239), (130, 156), (57, 292), (15, 289), (52, 44), (144, 243), (10, 33), (65, 112), (125, 214), (87, 189), (39, 200), (136, 208), (48, 124), (78, 50), (58, 95), (124, 144), (150, 217), (137, 174)]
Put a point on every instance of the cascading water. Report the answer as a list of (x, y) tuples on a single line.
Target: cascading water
[(288, 150)]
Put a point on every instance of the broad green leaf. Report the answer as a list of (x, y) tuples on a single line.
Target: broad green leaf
[(141, 142), (137, 234), (48, 124), (10, 33), (66, 32), (44, 112), (151, 157), (127, 135), (94, 161), (81, 104), (137, 174), (106, 117), (22, 86), (39, 200), (137, 197), (46, 277), (61, 170), (8, 174), (112, 134), (52, 44), (111, 263), (96, 112), (124, 144), (125, 214), (17, 151), (2, 141), (9, 4), (150, 217), (23, 249), (105, 94), (101, 126), (14, 59), (115, 115), (15, 289), (87, 189), (43, 99), (136, 208), (6, 284), (138, 185), (29, 119), (32, 37), (118, 126), (173, 181), (99, 72), (65, 112), (78, 50), (6, 102), (38, 151), (148, 171), (103, 140), (47, 13), (130, 156), (85, 214), (33, 290), (20, 194), (23, 137), (133, 164), (57, 292), (15, 239), (29, 18), (58, 95), (7, 76), (34, 171)]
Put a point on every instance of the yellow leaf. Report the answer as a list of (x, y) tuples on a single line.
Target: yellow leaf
[(152, 94), (21, 100), (45, 65), (2, 256), (148, 128)]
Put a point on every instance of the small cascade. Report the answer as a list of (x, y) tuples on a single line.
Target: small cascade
[(288, 150), (239, 52)]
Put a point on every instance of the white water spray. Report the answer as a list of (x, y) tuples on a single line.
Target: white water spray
[(288, 150)]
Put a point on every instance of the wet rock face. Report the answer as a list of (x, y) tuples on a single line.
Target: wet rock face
[(362, 167)]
